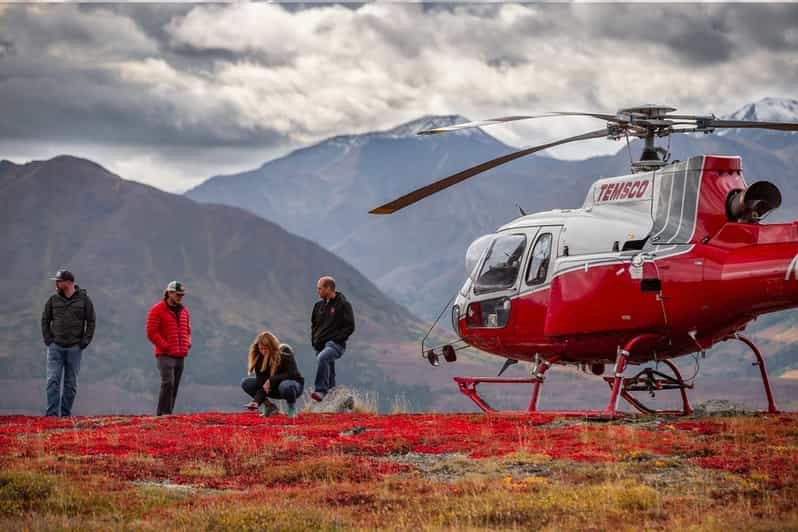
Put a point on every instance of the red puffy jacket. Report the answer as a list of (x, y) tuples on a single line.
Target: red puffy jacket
[(170, 335)]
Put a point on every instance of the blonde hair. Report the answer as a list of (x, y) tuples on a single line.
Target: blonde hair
[(271, 359)]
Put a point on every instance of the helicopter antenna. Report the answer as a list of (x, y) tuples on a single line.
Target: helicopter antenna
[(646, 122)]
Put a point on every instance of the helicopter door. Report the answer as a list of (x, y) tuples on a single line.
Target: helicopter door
[(682, 291), (530, 308), (496, 282)]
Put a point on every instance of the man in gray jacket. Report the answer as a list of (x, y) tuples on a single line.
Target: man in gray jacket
[(67, 329)]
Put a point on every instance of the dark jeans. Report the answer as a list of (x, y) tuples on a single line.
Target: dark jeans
[(171, 369), (325, 372), (62, 362), (288, 389)]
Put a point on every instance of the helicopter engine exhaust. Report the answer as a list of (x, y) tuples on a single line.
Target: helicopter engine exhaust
[(751, 204)]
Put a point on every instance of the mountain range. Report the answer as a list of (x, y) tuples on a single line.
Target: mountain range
[(125, 241)]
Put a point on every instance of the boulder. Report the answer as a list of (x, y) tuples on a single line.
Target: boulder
[(337, 401)]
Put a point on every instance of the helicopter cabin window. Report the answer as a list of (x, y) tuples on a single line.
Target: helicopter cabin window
[(501, 265), (539, 263)]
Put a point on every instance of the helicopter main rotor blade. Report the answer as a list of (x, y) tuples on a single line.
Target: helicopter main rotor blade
[(504, 119), (600, 116), (478, 123), (783, 126), (446, 182)]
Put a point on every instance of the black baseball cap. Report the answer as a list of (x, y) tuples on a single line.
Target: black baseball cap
[(63, 275)]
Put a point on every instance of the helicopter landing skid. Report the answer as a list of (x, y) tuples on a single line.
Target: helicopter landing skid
[(760, 361), (651, 381), (468, 387), (618, 389)]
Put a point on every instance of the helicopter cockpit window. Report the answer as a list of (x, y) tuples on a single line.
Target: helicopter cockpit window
[(539, 263), (475, 252), (502, 262)]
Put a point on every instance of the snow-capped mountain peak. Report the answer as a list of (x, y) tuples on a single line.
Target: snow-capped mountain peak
[(412, 128), (406, 130), (768, 109)]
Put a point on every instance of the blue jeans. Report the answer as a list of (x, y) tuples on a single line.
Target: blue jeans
[(325, 372), (62, 362), (288, 389)]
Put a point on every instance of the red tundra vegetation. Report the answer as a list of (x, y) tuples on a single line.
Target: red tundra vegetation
[(419, 471)]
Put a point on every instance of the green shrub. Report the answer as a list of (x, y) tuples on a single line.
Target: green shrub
[(23, 492), (247, 518)]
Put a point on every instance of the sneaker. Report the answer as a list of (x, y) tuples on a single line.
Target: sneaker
[(317, 396), (291, 412), (266, 408)]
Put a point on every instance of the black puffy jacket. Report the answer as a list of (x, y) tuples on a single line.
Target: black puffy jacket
[(68, 321)]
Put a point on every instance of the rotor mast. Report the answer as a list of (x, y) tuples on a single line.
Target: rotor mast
[(649, 153), (647, 122)]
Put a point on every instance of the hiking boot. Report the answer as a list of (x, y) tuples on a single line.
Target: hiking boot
[(267, 408), (291, 412), (317, 396)]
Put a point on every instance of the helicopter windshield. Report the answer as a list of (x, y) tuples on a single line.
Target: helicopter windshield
[(475, 252), (502, 263)]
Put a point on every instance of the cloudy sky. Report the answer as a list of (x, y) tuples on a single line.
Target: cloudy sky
[(172, 94)]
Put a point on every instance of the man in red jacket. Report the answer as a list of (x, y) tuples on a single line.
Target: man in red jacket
[(169, 330)]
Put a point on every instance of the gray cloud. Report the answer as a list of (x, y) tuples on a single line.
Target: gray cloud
[(172, 77), (774, 27)]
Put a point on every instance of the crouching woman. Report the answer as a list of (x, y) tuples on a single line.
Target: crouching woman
[(276, 375)]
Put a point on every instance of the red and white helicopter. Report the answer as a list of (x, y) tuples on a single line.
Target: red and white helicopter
[(664, 262)]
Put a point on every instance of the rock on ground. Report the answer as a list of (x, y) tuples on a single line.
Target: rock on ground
[(338, 400), (719, 407)]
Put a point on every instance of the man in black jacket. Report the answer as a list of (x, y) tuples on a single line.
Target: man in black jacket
[(67, 329), (331, 324)]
